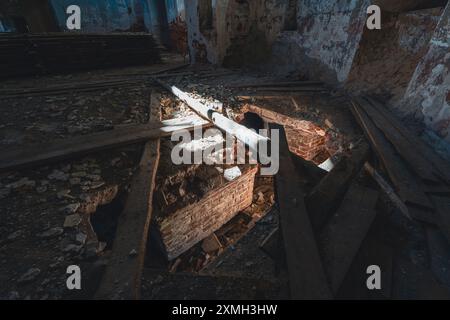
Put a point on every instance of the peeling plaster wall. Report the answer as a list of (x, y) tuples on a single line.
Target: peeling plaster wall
[(386, 59), (429, 89), (241, 30), (326, 41), (107, 16), (201, 48)]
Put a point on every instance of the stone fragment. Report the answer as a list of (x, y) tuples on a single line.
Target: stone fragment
[(211, 244), (71, 208), (72, 221)]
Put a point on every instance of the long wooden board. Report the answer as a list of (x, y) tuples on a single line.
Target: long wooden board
[(122, 278), (421, 147), (291, 89), (407, 186), (35, 155), (329, 192), (343, 235), (409, 153), (307, 279), (442, 214), (275, 84)]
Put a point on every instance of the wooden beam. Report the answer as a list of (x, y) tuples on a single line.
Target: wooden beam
[(308, 169), (71, 87), (307, 279), (122, 278), (343, 235), (440, 164), (407, 186), (290, 89), (208, 111), (275, 84), (408, 152), (387, 189), (329, 192), (272, 245), (49, 152), (443, 214)]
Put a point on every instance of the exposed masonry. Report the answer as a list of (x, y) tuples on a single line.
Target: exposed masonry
[(305, 138), (328, 40), (428, 90), (186, 227)]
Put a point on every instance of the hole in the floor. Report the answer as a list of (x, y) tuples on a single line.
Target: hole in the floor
[(104, 221), (190, 236), (253, 121), (307, 141)]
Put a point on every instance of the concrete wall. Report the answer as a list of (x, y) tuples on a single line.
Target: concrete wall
[(429, 89)]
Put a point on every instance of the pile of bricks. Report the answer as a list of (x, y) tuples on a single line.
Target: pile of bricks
[(305, 138), (186, 227)]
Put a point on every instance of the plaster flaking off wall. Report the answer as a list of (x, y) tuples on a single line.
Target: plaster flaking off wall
[(386, 59), (326, 40), (429, 89)]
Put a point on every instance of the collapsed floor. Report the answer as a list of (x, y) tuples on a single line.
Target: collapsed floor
[(68, 212)]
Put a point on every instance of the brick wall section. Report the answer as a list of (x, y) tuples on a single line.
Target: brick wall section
[(304, 137), (188, 226)]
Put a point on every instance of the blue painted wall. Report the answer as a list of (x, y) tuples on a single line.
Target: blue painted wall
[(106, 16), (6, 25), (120, 15)]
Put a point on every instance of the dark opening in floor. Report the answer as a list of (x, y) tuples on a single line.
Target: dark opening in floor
[(104, 221)]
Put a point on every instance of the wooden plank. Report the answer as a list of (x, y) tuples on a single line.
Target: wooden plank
[(329, 192), (35, 155), (262, 97), (307, 279), (272, 245), (408, 152), (442, 214), (438, 190), (406, 185), (307, 169), (65, 88), (373, 251), (387, 189), (208, 286), (311, 175), (421, 147), (275, 84), (343, 235), (291, 89), (122, 278)]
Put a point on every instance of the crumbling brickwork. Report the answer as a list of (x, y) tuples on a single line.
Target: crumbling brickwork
[(184, 228), (305, 138)]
